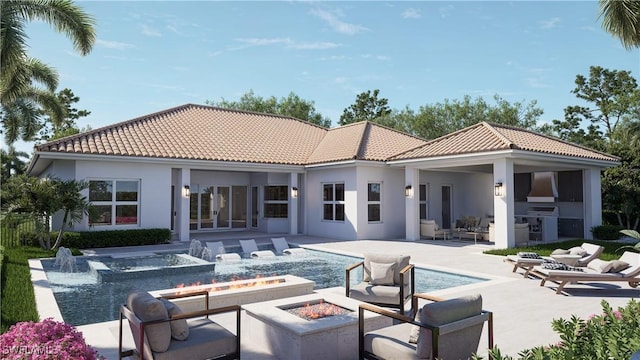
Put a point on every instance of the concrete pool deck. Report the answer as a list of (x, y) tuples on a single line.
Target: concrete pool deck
[(522, 309)]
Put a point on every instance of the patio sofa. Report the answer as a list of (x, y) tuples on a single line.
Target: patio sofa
[(472, 222)]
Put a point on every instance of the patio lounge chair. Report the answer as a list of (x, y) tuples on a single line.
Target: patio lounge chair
[(282, 247), (215, 248), (626, 269), (250, 249), (430, 229), (387, 280), (445, 329), (588, 252), (162, 331)]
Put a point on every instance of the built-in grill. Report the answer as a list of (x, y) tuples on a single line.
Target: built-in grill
[(543, 222)]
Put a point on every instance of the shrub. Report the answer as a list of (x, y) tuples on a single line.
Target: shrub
[(111, 238), (614, 334), (607, 232), (47, 339)]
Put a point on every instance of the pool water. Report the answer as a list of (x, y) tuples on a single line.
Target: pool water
[(82, 299)]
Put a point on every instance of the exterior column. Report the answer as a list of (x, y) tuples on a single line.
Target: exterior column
[(293, 204), (592, 201), (183, 205), (503, 205), (412, 204)]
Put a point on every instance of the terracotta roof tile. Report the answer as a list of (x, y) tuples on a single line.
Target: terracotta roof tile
[(485, 137), (201, 132)]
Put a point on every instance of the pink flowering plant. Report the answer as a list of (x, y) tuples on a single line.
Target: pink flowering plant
[(47, 339), (614, 334)]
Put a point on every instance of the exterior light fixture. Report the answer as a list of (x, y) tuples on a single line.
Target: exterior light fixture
[(408, 191), (497, 189), (294, 192), (186, 191)]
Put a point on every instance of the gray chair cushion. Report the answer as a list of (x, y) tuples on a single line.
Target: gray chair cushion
[(148, 308), (179, 328), (457, 345), (401, 260), (375, 293), (390, 343), (206, 340), (382, 274)]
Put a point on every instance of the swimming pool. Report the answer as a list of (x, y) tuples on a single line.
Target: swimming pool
[(83, 299)]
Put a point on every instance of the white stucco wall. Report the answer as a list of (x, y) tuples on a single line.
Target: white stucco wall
[(315, 225), (392, 224), (155, 190)]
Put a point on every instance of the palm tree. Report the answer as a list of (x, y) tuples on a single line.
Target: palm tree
[(73, 205), (12, 162), (621, 18), (21, 100)]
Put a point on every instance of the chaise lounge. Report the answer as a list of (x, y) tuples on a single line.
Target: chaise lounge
[(626, 269), (587, 251)]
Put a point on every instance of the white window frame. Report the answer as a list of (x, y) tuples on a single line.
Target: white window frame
[(374, 202), (114, 203), (333, 202), (266, 202), (423, 203)]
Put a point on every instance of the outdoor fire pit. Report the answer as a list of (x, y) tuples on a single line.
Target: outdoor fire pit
[(291, 330)]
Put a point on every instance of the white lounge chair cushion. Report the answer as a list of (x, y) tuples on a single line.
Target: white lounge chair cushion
[(294, 251), (382, 274), (148, 308), (401, 260), (228, 257), (560, 252), (206, 340), (578, 250), (600, 265), (179, 328), (262, 254), (456, 345)]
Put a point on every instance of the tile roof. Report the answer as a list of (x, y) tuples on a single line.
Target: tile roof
[(485, 137), (362, 141), (198, 132)]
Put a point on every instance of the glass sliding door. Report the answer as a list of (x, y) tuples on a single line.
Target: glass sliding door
[(218, 207), (207, 207), (222, 213)]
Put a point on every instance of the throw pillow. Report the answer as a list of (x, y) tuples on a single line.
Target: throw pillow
[(618, 265), (560, 252), (179, 328), (600, 266), (148, 308), (529, 255), (577, 251), (382, 274)]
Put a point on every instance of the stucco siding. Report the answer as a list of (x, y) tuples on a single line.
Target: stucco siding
[(392, 224)]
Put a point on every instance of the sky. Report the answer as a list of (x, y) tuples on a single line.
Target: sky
[(153, 55)]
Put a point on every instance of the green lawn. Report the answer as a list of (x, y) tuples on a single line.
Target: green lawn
[(609, 252), (16, 290)]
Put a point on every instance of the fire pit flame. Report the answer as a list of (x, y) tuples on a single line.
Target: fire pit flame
[(236, 283), (318, 310)]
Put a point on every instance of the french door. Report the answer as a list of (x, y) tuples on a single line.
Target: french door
[(210, 207)]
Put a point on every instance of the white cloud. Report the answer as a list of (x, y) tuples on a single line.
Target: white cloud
[(411, 13), (549, 24), (264, 41), (114, 44), (149, 31), (315, 46), (336, 24), (288, 43)]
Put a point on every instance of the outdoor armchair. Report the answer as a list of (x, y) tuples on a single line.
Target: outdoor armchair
[(161, 331), (387, 280), (444, 329)]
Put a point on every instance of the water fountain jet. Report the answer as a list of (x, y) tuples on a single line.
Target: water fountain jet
[(65, 260)]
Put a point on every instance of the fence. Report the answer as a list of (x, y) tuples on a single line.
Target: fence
[(16, 231)]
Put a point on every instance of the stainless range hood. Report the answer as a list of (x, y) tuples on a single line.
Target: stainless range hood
[(543, 188)]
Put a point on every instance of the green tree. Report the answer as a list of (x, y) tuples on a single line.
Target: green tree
[(40, 199), (292, 106), (368, 107), (12, 162), (52, 130), (432, 121), (20, 97), (621, 18)]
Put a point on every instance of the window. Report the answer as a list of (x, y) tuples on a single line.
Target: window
[(424, 200), (276, 201), (373, 202), (116, 202), (333, 202)]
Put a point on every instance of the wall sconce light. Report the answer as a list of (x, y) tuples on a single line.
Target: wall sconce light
[(408, 191), (294, 192), (497, 189), (186, 191)]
